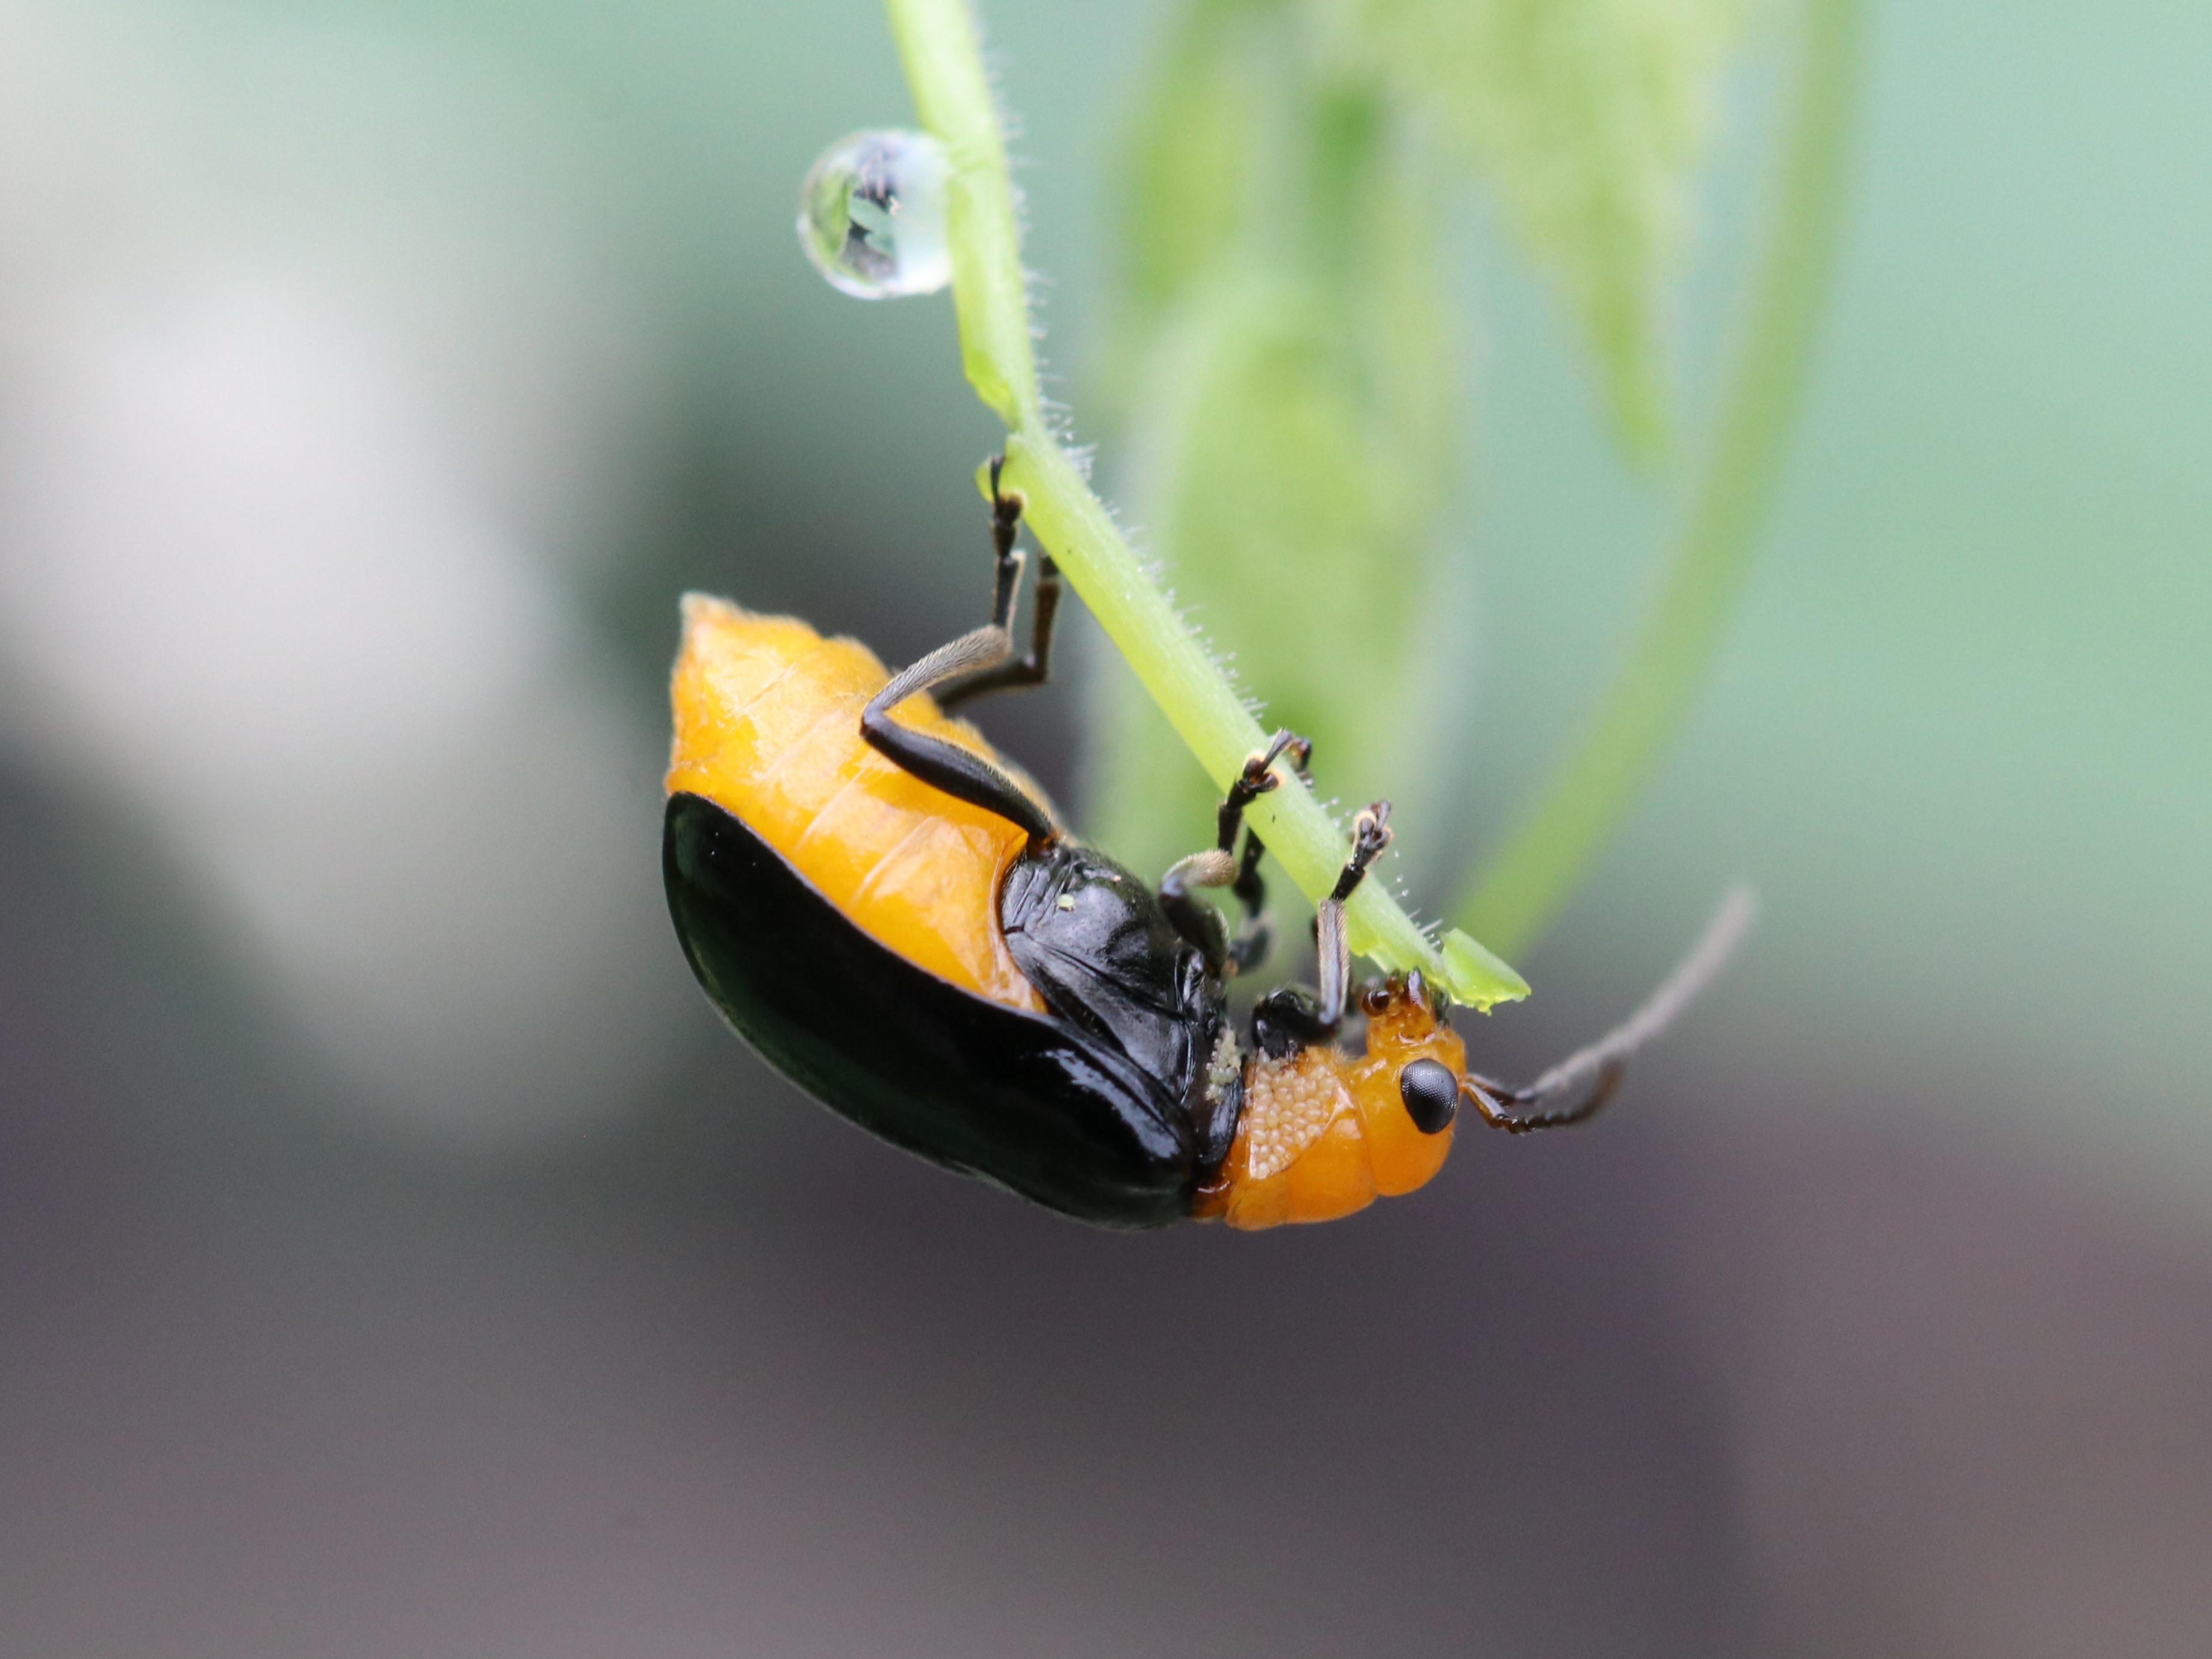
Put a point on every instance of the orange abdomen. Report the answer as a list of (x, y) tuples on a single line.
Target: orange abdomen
[(767, 726)]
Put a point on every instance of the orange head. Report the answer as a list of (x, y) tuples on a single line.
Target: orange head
[(1323, 1131)]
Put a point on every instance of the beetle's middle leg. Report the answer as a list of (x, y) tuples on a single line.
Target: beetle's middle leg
[(1220, 866), (1015, 672)]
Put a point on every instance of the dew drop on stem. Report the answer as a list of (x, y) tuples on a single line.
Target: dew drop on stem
[(872, 215)]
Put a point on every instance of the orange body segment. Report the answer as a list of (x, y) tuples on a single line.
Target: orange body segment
[(767, 726), (1324, 1133)]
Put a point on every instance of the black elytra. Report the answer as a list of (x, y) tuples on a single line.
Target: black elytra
[(1098, 1108)]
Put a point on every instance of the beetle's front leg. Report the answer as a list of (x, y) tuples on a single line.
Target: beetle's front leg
[(1292, 1017)]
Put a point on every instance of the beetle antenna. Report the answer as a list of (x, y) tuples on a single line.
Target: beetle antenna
[(1606, 1058)]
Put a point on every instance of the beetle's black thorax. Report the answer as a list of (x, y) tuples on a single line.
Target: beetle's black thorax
[(1094, 940)]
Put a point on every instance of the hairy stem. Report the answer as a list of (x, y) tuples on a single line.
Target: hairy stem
[(1584, 800), (937, 41)]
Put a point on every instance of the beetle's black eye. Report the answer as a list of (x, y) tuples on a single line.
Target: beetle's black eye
[(1431, 1095)]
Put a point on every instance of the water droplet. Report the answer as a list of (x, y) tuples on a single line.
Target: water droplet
[(872, 215)]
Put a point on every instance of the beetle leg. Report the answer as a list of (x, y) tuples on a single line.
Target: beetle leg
[(1249, 949), (1192, 917), (1258, 778), (1218, 867), (1370, 834), (1016, 671), (1202, 924), (1250, 946), (1290, 1018), (958, 772), (1591, 1076)]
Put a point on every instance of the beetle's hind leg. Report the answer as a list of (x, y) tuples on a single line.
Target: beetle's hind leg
[(1586, 1080), (1290, 1018), (982, 660), (1220, 866), (1015, 672)]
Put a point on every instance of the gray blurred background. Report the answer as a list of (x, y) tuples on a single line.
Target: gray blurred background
[(396, 1258)]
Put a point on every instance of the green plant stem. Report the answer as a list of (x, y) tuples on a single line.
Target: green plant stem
[(937, 41), (1584, 800)]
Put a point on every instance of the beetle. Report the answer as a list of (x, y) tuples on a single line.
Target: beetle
[(894, 917)]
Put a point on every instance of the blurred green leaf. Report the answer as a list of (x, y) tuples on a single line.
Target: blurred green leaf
[(1294, 414), (1257, 470), (1190, 164), (1563, 824), (1590, 115)]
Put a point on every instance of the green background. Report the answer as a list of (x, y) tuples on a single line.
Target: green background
[(1958, 738)]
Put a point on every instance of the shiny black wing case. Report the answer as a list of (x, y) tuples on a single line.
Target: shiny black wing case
[(1026, 1101)]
